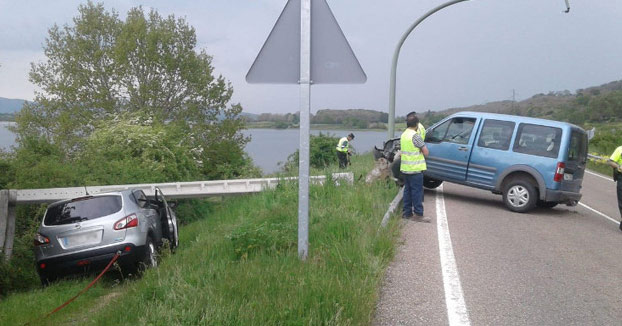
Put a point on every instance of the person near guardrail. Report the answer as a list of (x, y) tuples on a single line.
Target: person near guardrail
[(412, 166), (343, 150), (615, 161)]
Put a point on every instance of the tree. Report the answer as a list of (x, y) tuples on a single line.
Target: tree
[(102, 68), (321, 153)]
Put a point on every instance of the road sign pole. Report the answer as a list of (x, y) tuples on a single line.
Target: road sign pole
[(333, 62), (305, 108)]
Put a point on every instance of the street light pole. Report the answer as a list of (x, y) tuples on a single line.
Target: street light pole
[(396, 55)]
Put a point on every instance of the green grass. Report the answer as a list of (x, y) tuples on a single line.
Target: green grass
[(240, 266)]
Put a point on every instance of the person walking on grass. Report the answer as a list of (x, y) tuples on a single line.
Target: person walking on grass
[(615, 161), (412, 166), (343, 150)]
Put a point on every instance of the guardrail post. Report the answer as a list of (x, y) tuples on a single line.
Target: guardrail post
[(4, 216), (10, 228)]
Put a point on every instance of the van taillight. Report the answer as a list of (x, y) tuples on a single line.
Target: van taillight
[(559, 172), (130, 221), (41, 240)]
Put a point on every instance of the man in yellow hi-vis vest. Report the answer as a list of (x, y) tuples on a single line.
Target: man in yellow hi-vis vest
[(412, 166), (615, 161), (343, 150)]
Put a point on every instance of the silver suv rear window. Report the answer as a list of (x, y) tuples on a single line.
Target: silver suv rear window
[(82, 209)]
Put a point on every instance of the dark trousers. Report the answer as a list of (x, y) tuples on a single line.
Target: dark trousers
[(619, 188), (413, 194), (343, 159)]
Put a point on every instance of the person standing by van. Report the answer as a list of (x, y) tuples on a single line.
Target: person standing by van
[(343, 150), (412, 166), (615, 161)]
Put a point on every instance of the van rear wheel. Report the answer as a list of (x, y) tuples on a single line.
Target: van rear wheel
[(520, 195)]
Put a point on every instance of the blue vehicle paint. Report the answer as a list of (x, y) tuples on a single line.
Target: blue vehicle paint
[(530, 161)]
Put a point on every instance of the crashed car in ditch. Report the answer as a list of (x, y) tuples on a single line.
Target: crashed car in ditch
[(85, 233), (530, 162)]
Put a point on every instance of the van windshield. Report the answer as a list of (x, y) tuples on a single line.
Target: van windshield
[(82, 209)]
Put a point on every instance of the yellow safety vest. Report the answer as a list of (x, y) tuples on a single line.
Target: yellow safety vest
[(421, 131), (413, 160), (342, 145)]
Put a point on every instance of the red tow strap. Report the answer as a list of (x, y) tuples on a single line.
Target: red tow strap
[(116, 256)]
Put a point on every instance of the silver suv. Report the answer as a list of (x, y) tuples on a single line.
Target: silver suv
[(85, 233)]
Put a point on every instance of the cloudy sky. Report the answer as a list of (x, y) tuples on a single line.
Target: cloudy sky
[(471, 53)]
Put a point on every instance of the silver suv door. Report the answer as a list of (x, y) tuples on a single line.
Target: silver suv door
[(169, 220)]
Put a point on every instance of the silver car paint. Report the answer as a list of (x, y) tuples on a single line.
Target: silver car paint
[(147, 218)]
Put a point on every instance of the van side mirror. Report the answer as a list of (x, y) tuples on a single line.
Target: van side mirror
[(172, 204)]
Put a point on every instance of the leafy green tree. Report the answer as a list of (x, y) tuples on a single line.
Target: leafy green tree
[(102, 68), (131, 151), (322, 152)]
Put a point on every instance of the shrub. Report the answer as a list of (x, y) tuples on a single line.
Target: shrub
[(321, 153)]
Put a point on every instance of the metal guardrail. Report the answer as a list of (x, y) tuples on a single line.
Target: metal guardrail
[(172, 190), (597, 158)]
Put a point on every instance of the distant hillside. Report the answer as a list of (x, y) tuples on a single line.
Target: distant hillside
[(8, 105), (594, 104), (249, 116), (356, 118)]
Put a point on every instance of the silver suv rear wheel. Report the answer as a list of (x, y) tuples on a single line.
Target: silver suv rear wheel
[(151, 260)]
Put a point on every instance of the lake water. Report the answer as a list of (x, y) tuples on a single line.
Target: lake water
[(268, 147), (7, 138)]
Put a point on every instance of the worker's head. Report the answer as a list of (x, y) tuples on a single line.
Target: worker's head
[(412, 120), (350, 136)]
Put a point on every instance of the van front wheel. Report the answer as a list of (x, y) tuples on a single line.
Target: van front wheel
[(431, 183), (520, 195)]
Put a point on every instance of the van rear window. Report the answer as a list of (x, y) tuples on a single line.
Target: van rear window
[(82, 209), (578, 146), (538, 140)]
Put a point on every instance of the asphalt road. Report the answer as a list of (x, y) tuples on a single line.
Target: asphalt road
[(559, 266)]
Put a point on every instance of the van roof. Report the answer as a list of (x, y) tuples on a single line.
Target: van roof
[(516, 118)]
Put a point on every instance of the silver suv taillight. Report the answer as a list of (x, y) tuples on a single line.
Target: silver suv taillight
[(130, 221), (41, 240)]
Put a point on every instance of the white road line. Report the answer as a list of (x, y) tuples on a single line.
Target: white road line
[(454, 298), (599, 213), (599, 175)]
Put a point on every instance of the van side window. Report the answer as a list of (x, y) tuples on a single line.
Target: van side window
[(538, 140), (496, 134), (438, 133), (459, 130), (456, 130)]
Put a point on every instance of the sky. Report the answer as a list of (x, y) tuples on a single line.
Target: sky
[(470, 53)]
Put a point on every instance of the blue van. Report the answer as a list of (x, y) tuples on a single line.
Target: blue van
[(531, 162)]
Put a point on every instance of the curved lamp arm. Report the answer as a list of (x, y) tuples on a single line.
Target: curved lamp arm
[(396, 55)]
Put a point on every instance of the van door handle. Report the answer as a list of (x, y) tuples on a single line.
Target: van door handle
[(463, 148)]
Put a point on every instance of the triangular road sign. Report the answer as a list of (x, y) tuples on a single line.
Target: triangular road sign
[(332, 58)]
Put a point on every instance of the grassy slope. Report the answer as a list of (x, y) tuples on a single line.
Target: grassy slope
[(240, 267)]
